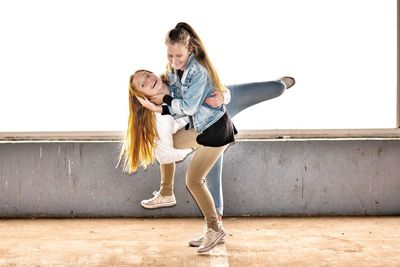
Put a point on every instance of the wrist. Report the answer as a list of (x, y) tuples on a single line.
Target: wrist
[(165, 110)]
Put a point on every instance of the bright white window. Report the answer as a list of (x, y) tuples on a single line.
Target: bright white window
[(65, 64)]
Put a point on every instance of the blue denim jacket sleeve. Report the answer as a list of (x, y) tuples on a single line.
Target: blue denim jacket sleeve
[(193, 93)]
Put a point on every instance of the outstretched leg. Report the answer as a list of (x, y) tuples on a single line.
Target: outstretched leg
[(248, 94)]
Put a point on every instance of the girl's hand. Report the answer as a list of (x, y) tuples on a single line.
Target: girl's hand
[(149, 105), (216, 100), (157, 99)]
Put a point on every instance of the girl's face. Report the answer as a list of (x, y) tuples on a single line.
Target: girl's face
[(148, 83), (178, 55)]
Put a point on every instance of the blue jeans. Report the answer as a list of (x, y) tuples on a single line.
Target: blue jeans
[(242, 97)]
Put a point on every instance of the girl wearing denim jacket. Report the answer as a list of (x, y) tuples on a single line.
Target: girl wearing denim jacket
[(192, 78)]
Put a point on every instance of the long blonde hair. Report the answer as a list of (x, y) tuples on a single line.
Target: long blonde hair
[(141, 134), (184, 34)]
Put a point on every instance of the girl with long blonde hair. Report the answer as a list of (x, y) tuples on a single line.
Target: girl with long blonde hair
[(141, 134)]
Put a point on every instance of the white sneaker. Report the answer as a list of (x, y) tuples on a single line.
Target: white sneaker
[(197, 241), (158, 201), (211, 239)]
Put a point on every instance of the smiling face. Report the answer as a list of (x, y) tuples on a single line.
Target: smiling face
[(178, 55), (148, 83)]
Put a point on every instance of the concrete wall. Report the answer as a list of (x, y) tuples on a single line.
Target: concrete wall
[(261, 178)]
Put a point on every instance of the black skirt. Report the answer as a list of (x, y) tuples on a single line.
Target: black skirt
[(221, 133)]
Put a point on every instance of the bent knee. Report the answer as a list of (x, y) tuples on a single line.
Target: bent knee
[(194, 182)]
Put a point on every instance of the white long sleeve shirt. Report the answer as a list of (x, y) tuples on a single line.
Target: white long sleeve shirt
[(166, 127)]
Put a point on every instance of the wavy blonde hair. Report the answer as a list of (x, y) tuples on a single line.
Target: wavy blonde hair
[(184, 34), (141, 134)]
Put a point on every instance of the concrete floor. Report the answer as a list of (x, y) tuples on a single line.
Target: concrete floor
[(314, 241)]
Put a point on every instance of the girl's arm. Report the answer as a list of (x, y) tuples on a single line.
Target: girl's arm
[(217, 99), (195, 94), (149, 105)]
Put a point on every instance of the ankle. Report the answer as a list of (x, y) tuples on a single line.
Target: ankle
[(166, 193), (216, 226)]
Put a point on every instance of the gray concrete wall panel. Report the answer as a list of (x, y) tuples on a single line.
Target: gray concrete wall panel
[(260, 178)]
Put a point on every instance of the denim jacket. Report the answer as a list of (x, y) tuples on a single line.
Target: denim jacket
[(189, 94)]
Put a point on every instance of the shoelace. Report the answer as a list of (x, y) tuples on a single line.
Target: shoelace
[(156, 197)]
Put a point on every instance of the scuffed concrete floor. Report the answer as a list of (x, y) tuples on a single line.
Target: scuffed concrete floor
[(314, 241)]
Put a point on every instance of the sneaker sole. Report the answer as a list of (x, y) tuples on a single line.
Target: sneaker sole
[(216, 242), (197, 244), (161, 205)]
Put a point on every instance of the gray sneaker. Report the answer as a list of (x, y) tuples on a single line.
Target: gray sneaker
[(288, 81), (158, 201), (211, 239)]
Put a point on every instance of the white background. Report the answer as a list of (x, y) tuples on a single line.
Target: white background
[(64, 65)]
